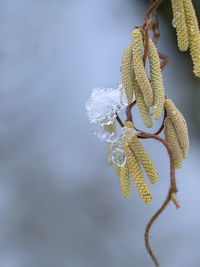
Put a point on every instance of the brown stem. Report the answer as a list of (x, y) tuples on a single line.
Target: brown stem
[(165, 60), (146, 234), (119, 121), (152, 8), (162, 126), (128, 111), (172, 190), (146, 39)]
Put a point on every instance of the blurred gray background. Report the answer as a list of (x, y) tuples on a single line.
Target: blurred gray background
[(60, 202)]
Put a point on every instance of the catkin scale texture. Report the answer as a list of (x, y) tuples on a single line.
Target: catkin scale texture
[(144, 159), (137, 175), (135, 169), (180, 126), (143, 109), (117, 169), (156, 80), (127, 72), (125, 183), (194, 35), (181, 27), (140, 73), (171, 137)]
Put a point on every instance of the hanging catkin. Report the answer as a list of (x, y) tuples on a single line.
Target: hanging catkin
[(135, 169), (127, 72), (138, 66), (143, 109), (171, 137), (180, 126), (180, 22), (194, 35), (144, 159), (156, 80), (125, 183)]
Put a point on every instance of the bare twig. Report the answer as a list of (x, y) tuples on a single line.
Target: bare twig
[(119, 121), (152, 8), (173, 190)]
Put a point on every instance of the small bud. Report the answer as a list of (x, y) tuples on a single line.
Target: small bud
[(175, 200)]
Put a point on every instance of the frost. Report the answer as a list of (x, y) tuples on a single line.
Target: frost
[(103, 105), (106, 136)]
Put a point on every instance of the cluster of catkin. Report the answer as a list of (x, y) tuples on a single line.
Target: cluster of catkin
[(187, 29), (176, 133), (148, 92), (136, 156)]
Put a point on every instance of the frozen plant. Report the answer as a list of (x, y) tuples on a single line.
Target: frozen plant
[(126, 153)]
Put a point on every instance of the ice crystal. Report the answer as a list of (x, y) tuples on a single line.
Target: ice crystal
[(103, 105), (118, 155)]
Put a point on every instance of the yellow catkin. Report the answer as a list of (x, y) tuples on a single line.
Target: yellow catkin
[(156, 80), (181, 27), (140, 73), (194, 35), (143, 109), (144, 159), (125, 183), (110, 128), (180, 126), (136, 171), (117, 169), (171, 137), (127, 73)]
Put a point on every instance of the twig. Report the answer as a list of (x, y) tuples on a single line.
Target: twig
[(129, 116), (165, 60), (152, 8), (173, 190), (119, 120), (146, 39)]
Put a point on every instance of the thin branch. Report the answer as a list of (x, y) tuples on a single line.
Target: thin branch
[(119, 120), (162, 126), (165, 60), (129, 116), (171, 194), (146, 39), (152, 8)]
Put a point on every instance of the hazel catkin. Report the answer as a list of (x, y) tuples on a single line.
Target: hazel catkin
[(193, 34), (125, 183), (144, 159), (143, 109), (127, 72), (140, 73), (135, 169), (180, 126), (156, 81), (180, 22), (171, 137)]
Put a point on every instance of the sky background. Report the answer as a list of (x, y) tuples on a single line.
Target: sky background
[(60, 202)]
